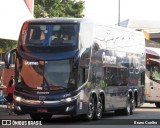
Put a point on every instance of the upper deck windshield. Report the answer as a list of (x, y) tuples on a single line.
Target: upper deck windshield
[(49, 37)]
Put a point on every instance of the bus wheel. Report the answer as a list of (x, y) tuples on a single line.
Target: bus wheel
[(91, 109), (157, 105), (98, 109), (133, 105), (128, 110)]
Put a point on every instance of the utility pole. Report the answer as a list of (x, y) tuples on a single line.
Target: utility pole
[(119, 12)]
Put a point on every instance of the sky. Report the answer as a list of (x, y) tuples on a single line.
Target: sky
[(107, 10), (13, 13)]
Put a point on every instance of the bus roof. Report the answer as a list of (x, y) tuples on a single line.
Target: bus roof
[(58, 19), (153, 51), (81, 20)]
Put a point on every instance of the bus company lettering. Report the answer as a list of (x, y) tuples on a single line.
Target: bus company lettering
[(108, 59), (31, 63), (42, 92)]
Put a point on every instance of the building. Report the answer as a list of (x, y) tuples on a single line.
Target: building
[(151, 30), (13, 13)]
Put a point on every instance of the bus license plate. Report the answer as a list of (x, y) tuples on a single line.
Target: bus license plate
[(42, 110)]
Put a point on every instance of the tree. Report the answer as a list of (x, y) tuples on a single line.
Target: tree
[(58, 8), (7, 44)]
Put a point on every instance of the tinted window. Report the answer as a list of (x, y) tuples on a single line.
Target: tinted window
[(49, 37)]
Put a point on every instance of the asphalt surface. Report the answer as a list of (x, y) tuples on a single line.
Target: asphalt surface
[(146, 111)]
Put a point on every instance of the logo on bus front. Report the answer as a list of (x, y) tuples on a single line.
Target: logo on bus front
[(42, 98), (31, 63)]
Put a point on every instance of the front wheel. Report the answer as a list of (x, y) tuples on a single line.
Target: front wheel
[(91, 109)]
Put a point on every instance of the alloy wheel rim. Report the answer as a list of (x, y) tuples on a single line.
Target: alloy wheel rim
[(99, 109), (91, 108)]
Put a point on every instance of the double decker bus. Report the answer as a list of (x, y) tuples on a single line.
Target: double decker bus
[(73, 66), (152, 77)]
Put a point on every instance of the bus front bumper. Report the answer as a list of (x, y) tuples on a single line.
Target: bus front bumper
[(59, 107)]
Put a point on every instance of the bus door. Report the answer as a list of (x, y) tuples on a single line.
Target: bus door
[(153, 88)]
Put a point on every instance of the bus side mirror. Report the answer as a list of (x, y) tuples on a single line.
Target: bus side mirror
[(8, 58)]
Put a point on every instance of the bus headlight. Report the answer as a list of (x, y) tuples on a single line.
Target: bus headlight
[(69, 99), (17, 98)]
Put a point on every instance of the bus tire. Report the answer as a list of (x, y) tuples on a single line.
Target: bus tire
[(91, 109), (157, 105), (98, 109), (133, 106), (136, 100), (128, 109)]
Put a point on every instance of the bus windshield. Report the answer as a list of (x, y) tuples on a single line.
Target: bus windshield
[(46, 75), (48, 37)]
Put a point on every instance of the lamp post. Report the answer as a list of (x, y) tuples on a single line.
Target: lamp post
[(119, 9)]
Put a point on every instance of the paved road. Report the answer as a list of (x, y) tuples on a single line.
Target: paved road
[(148, 113)]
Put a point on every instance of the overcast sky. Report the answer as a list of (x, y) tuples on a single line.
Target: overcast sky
[(107, 10)]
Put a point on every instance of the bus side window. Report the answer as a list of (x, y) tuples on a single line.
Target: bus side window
[(107, 74), (83, 75), (124, 77), (143, 78), (115, 77), (152, 72), (112, 76), (148, 71), (155, 73)]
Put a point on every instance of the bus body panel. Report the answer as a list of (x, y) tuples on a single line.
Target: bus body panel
[(60, 78), (114, 49)]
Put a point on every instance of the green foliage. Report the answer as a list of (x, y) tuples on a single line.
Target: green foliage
[(7, 44), (58, 8)]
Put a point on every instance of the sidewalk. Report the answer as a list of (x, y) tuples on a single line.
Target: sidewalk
[(3, 109), (4, 113)]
